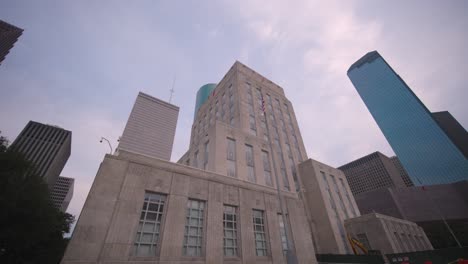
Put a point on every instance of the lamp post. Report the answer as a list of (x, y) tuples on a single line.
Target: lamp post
[(108, 142)]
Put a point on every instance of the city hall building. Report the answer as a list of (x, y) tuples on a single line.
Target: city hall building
[(220, 202)]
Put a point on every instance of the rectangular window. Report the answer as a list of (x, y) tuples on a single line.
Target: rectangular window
[(294, 173), (348, 198), (230, 231), (337, 190), (267, 168), (253, 127), (205, 158), (284, 243), (193, 237), (249, 160), (147, 238), (231, 157), (261, 248), (285, 179), (195, 159)]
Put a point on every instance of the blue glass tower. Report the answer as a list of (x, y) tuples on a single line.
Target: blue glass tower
[(426, 152)]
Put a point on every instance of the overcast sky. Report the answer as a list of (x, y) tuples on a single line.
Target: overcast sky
[(80, 65)]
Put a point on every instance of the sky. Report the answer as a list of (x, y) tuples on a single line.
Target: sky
[(80, 65)]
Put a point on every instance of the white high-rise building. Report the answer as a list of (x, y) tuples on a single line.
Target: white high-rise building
[(150, 129)]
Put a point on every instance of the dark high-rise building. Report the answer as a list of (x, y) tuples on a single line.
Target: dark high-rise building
[(424, 149), (454, 130), (404, 175), (62, 192), (47, 147), (9, 34), (371, 172)]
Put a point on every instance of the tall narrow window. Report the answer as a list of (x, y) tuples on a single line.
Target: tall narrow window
[(261, 248), (348, 198), (230, 231), (267, 168), (195, 159), (249, 160), (231, 157), (193, 238), (206, 154), (147, 238), (337, 190), (284, 243)]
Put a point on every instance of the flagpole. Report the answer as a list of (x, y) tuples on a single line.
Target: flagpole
[(440, 214), (290, 255)]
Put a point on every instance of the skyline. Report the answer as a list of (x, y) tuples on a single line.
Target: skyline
[(84, 73)]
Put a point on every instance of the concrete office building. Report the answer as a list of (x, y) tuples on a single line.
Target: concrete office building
[(46, 147), (387, 234), (9, 34), (147, 209), (329, 203), (426, 207), (62, 192), (425, 150), (150, 129), (230, 136), (403, 174), (141, 209), (454, 130), (372, 172)]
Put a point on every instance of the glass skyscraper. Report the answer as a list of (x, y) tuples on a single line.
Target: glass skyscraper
[(426, 152)]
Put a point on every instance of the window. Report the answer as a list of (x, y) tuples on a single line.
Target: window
[(294, 173), (348, 197), (284, 242), (337, 190), (267, 168), (193, 238), (259, 233), (230, 231), (231, 157), (250, 163), (195, 159), (147, 238), (285, 179), (253, 128), (205, 158)]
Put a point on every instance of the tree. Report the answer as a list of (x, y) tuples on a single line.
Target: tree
[(31, 228)]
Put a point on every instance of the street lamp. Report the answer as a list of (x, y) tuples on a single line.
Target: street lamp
[(108, 142)]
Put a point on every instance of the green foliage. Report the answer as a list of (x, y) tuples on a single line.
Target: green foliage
[(31, 228)]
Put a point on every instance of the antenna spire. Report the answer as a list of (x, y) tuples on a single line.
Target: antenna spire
[(172, 89)]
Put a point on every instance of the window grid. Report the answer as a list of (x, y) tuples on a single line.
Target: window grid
[(193, 237), (147, 238), (230, 231), (261, 248)]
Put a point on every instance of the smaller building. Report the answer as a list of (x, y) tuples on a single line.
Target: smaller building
[(404, 175), (387, 234), (151, 127), (372, 172), (328, 201), (9, 34), (62, 192), (454, 130), (47, 147)]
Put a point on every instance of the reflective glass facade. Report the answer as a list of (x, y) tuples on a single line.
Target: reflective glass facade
[(426, 152)]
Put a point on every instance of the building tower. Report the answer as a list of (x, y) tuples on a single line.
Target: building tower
[(9, 34), (454, 130), (372, 172), (424, 149), (47, 147), (150, 129), (62, 192), (330, 202), (229, 134)]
